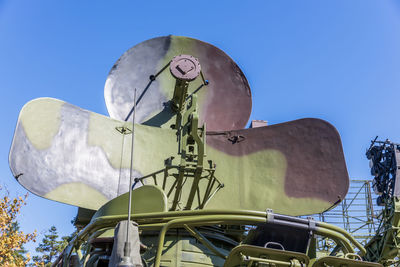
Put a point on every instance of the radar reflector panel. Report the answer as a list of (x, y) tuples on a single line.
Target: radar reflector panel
[(67, 154), (224, 103)]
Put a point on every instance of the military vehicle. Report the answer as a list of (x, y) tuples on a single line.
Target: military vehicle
[(173, 178)]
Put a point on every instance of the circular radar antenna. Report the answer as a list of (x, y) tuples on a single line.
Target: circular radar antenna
[(224, 96)]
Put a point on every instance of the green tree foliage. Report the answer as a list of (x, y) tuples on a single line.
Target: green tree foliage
[(49, 248)]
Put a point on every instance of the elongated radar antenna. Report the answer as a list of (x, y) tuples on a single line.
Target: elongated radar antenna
[(126, 260)]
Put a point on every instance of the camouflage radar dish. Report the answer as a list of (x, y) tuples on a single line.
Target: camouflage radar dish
[(74, 156), (64, 153), (224, 96)]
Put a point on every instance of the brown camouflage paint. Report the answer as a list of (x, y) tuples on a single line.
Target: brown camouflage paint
[(315, 162), (228, 102)]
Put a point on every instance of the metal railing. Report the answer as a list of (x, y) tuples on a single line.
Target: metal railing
[(358, 213)]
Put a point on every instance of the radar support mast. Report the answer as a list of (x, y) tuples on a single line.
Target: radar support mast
[(191, 138)]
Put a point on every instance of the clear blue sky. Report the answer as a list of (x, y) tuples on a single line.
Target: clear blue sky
[(334, 60)]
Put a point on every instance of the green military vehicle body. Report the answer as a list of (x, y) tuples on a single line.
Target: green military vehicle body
[(172, 178)]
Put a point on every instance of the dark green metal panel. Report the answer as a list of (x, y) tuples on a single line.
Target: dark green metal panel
[(145, 199)]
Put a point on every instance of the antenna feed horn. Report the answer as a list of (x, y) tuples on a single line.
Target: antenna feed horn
[(185, 67)]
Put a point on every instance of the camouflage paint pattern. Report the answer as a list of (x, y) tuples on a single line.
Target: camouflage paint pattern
[(296, 166), (74, 156), (224, 104)]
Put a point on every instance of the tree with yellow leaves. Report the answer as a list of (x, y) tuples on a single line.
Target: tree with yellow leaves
[(11, 238)]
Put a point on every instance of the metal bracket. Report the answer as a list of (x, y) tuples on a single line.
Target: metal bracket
[(311, 224), (270, 216), (123, 130), (236, 138)]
